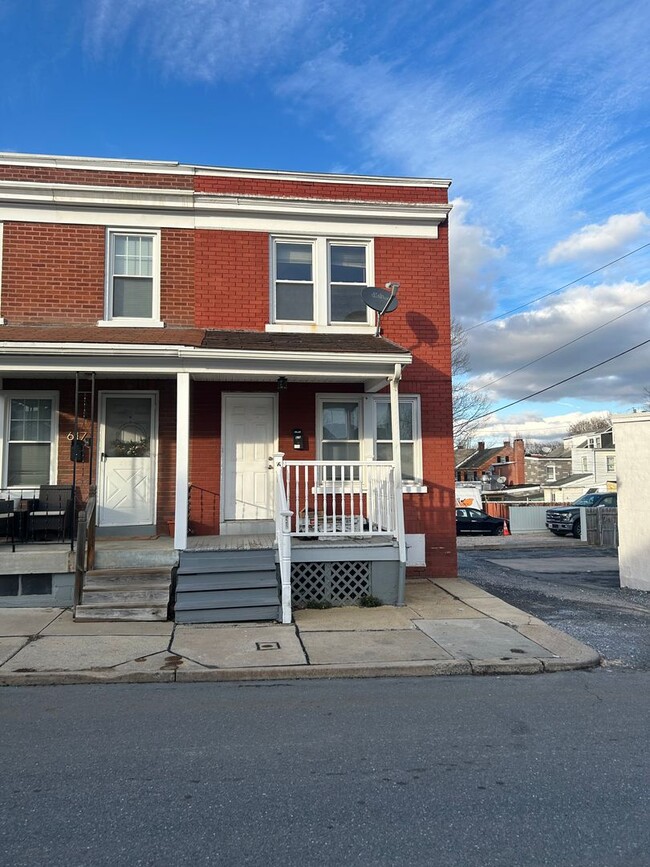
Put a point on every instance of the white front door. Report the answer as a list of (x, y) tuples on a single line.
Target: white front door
[(127, 466), (249, 439)]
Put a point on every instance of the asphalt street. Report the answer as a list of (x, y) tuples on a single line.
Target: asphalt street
[(452, 772), (581, 597)]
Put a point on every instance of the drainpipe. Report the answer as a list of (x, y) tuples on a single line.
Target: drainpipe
[(399, 500)]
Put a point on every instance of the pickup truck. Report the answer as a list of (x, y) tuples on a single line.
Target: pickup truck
[(563, 520)]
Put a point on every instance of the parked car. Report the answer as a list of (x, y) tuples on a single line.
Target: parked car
[(477, 522), (566, 519)]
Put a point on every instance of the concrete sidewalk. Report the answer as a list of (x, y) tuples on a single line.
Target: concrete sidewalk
[(447, 626)]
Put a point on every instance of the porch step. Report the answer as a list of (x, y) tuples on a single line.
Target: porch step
[(132, 557), (227, 586), (120, 612), (125, 594)]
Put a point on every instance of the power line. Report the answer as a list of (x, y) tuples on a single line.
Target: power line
[(555, 291), (553, 351), (561, 382)]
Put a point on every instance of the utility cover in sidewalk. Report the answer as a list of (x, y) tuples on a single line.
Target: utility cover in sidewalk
[(480, 639)]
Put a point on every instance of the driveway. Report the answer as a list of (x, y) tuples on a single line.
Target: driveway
[(570, 586)]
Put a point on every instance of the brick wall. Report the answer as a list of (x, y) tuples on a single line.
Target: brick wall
[(232, 279), (52, 175), (367, 191), (55, 274)]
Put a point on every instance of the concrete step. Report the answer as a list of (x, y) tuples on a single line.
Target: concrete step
[(136, 578), (141, 596), (121, 612), (135, 558)]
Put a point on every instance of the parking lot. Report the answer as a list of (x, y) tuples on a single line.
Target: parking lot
[(567, 584)]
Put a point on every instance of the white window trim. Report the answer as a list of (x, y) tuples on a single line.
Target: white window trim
[(2, 319), (7, 396), (367, 427), (321, 279), (111, 321)]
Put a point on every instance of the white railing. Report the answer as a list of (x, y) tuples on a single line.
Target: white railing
[(283, 515), (333, 499), (341, 498)]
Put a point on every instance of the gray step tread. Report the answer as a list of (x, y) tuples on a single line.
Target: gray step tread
[(233, 615), (229, 561), (227, 581), (226, 599)]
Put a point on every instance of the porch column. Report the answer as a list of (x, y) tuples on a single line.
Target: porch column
[(182, 459), (399, 497)]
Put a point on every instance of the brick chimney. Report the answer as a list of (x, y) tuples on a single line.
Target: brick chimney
[(481, 447)]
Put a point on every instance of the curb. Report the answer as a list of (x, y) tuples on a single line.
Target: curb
[(437, 668)]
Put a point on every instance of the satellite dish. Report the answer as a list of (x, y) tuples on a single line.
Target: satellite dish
[(379, 299), (502, 479)]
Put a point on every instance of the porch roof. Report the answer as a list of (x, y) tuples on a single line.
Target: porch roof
[(204, 353)]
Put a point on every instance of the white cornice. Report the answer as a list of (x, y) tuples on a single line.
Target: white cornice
[(96, 205), (169, 167)]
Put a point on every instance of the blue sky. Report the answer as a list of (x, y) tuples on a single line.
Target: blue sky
[(538, 111)]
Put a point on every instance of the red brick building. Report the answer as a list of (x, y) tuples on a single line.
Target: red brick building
[(186, 324)]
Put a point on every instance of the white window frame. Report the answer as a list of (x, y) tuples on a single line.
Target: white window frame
[(321, 246), (368, 426), (132, 321), (7, 397), (610, 463), (2, 319)]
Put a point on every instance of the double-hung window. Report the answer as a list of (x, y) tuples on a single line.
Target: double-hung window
[(360, 428), (29, 444), (318, 281), (133, 277), (409, 424)]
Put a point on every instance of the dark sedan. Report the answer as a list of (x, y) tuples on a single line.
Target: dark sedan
[(474, 521)]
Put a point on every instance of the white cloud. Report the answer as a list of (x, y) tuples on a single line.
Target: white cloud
[(500, 348), (207, 40), (615, 236), (473, 263), (532, 425)]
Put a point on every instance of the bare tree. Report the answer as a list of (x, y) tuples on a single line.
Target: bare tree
[(593, 424), (468, 405), (540, 447)]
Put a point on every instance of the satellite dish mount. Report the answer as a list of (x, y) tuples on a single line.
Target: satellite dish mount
[(382, 301)]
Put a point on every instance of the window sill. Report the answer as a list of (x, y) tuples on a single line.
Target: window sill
[(414, 489), (130, 323), (313, 328)]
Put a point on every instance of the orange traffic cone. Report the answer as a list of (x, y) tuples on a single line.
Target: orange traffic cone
[(506, 529)]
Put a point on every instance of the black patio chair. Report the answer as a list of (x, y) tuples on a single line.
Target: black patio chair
[(52, 513), (7, 522)]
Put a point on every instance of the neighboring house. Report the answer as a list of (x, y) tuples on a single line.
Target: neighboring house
[(549, 466), (633, 485), (494, 467), (593, 465), (196, 338)]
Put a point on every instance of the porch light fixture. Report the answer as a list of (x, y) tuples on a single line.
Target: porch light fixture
[(282, 383)]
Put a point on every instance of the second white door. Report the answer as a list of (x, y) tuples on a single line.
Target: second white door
[(249, 439)]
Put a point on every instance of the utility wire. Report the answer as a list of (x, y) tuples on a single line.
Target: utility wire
[(561, 382), (555, 291), (553, 351)]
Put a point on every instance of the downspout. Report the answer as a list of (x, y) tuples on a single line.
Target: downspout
[(399, 497)]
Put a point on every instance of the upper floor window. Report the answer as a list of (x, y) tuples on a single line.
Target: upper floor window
[(133, 278), (611, 463), (550, 473), (29, 445), (316, 281)]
